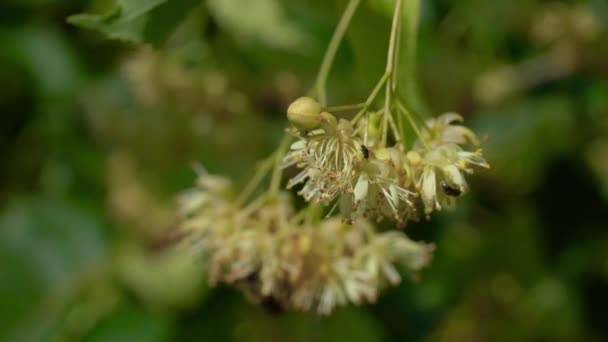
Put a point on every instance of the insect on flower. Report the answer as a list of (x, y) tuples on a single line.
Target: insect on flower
[(365, 151), (449, 190)]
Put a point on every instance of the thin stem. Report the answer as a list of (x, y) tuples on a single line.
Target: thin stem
[(387, 114), (415, 114), (251, 207), (396, 55), (408, 60), (422, 122), (366, 134), (390, 67), (330, 53), (391, 121), (261, 172), (344, 107), (298, 217), (390, 59), (402, 132), (359, 128), (370, 98), (377, 88), (408, 115), (275, 181)]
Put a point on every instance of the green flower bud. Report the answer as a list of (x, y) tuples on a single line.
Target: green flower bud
[(304, 113)]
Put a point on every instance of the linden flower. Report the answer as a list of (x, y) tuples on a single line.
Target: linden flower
[(447, 129), (205, 211), (274, 255), (390, 249), (353, 263), (439, 166), (250, 251), (378, 191), (322, 285), (442, 178), (327, 157)]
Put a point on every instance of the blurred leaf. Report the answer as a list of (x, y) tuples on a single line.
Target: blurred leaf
[(45, 55), (129, 324), (138, 21), (44, 247), (597, 158), (369, 51), (167, 279), (262, 21), (551, 311), (525, 138), (345, 324), (385, 7)]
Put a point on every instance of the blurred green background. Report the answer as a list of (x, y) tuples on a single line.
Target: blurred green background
[(97, 136)]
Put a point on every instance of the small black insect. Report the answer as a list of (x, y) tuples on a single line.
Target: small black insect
[(450, 191), (365, 151)]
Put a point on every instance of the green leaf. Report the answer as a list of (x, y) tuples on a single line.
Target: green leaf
[(169, 279), (521, 166), (46, 248), (130, 324), (259, 21), (45, 55), (138, 21), (344, 324)]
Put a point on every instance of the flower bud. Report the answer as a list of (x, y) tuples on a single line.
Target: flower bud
[(304, 113)]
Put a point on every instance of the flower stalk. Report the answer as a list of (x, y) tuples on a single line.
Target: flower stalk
[(320, 88), (275, 181), (391, 68)]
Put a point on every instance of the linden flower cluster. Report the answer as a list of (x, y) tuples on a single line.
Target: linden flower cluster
[(370, 180), (275, 255), (371, 167)]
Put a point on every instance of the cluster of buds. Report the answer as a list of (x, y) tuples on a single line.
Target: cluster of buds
[(345, 162), (276, 255)]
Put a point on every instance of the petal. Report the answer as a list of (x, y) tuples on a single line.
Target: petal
[(361, 187), (475, 158), (459, 135), (293, 158), (299, 178), (391, 273), (428, 190), (450, 118), (212, 183), (455, 177), (298, 145), (394, 194)]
